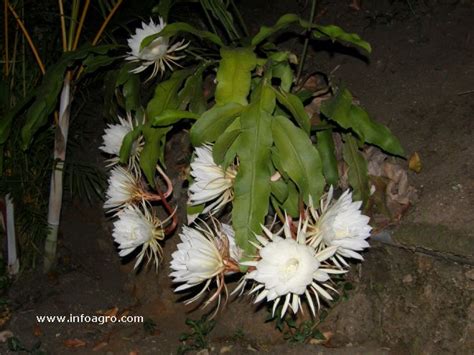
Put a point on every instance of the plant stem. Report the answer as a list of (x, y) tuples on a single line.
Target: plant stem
[(306, 43), (209, 19), (5, 35), (56, 188), (72, 23), (81, 24), (106, 22), (63, 25), (240, 18), (28, 38)]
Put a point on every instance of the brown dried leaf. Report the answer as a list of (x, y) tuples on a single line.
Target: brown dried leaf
[(327, 338), (100, 346), (414, 163), (37, 332), (4, 335), (112, 312), (74, 343)]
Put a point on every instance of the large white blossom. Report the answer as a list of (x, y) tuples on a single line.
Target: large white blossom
[(288, 269), (137, 227), (113, 138), (340, 223), (204, 255), (158, 53), (212, 184), (124, 188)]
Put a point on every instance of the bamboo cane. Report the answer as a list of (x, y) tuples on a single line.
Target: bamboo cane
[(56, 188)]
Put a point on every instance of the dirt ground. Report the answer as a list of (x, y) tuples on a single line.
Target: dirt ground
[(413, 293)]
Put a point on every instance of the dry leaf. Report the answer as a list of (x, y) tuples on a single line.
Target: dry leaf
[(327, 337), (134, 352), (4, 335), (74, 343), (37, 332), (112, 312), (100, 346), (414, 163)]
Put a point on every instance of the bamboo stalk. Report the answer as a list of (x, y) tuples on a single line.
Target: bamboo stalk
[(56, 188), (28, 38), (81, 24), (106, 22), (72, 23), (5, 34), (101, 30), (63, 25)]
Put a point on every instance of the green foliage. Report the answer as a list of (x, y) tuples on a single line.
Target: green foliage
[(149, 326), (15, 345), (350, 116), (197, 339)]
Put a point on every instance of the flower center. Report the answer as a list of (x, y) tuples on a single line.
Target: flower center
[(290, 268)]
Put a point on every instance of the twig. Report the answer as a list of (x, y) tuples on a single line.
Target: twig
[(306, 43), (5, 30), (81, 24), (28, 38), (466, 92), (63, 25), (106, 22)]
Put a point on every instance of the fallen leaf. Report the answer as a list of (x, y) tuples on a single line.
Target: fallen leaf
[(4, 335), (327, 337), (37, 332), (112, 312), (414, 163), (74, 343), (100, 345), (134, 352)]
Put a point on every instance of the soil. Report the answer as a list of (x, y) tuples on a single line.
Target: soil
[(411, 295)]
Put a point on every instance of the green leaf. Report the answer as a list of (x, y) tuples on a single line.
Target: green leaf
[(95, 62), (373, 132), (166, 94), (193, 92), (131, 93), (341, 110), (222, 145), (163, 8), (127, 144), (178, 27), (234, 75), (152, 151), (213, 123), (252, 183), (299, 158), (46, 95), (7, 119), (357, 172), (293, 104), (279, 189), (169, 117), (291, 204), (336, 33), (326, 149), (266, 32), (284, 72)]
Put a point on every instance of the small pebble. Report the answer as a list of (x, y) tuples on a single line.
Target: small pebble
[(407, 279)]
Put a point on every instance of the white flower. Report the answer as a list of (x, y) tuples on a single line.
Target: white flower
[(211, 182), (137, 227), (124, 188), (158, 53), (340, 223), (288, 269), (113, 138), (205, 255)]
